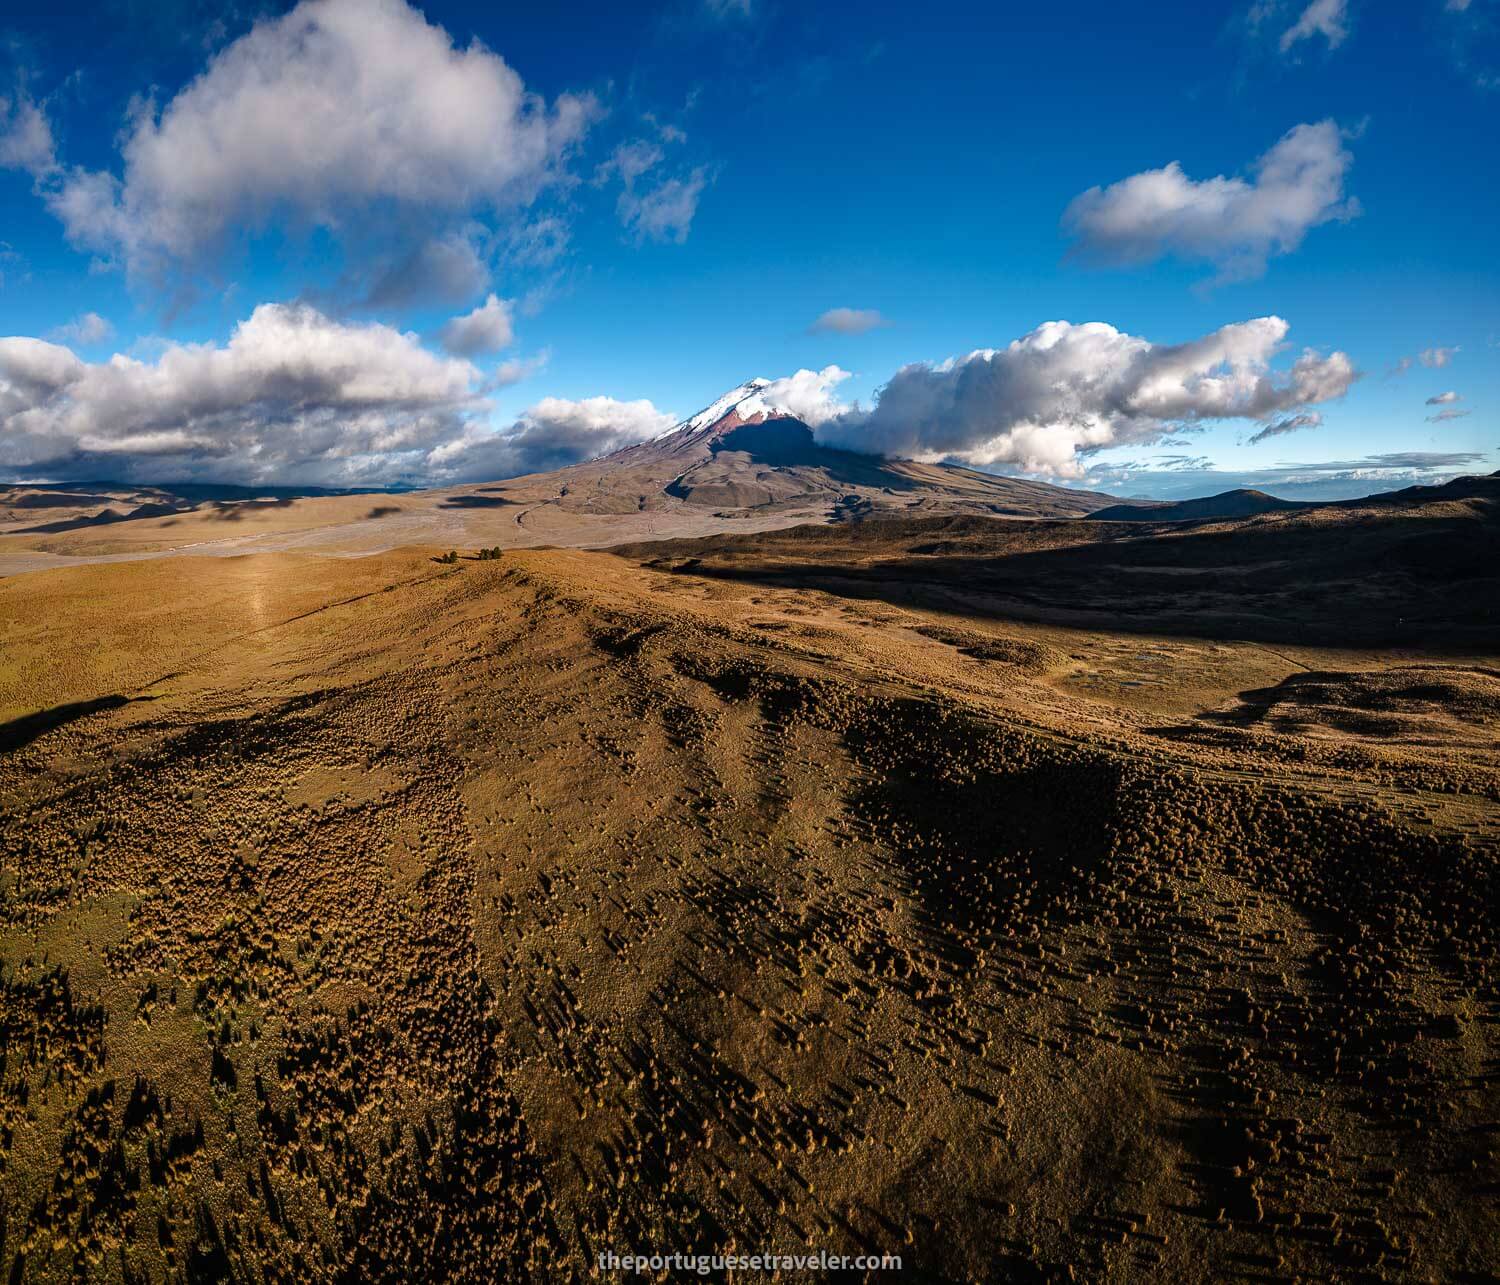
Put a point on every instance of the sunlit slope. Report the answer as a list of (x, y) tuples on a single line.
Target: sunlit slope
[(467, 921)]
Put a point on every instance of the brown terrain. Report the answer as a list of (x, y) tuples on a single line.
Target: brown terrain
[(1034, 899)]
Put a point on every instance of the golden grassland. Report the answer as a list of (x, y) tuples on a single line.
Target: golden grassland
[(381, 919)]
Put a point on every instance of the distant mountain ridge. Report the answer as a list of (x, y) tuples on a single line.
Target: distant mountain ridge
[(1245, 503), (1240, 503)]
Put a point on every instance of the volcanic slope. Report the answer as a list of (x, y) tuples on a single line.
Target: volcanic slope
[(744, 464), (380, 919)]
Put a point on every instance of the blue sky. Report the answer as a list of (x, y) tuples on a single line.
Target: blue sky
[(685, 188)]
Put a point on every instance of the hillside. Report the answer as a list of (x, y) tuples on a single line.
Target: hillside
[(377, 918)]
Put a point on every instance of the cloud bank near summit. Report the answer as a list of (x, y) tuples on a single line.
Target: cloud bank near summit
[(1065, 391)]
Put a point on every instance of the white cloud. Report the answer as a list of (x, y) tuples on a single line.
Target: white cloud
[(1064, 391), (1326, 18), (1287, 424), (664, 212), (88, 328), (1443, 416), (808, 395), (486, 329), (25, 136), (552, 434), (316, 118), (1442, 399), (1233, 223), (1457, 6), (848, 321), (293, 396)]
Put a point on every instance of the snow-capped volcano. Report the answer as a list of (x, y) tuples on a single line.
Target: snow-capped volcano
[(753, 452), (748, 403), (807, 396)]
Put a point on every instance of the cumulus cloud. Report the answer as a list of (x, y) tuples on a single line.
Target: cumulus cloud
[(316, 118), (809, 395), (848, 321), (486, 329), (88, 328), (292, 396), (1444, 415), (1287, 424), (1326, 18), (1442, 399), (25, 135), (1064, 391), (1236, 224), (552, 434)]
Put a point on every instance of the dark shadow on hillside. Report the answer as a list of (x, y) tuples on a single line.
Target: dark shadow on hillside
[(786, 443), (20, 732), (58, 500), (107, 518), (235, 510), (1404, 701), (476, 502), (1410, 580)]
